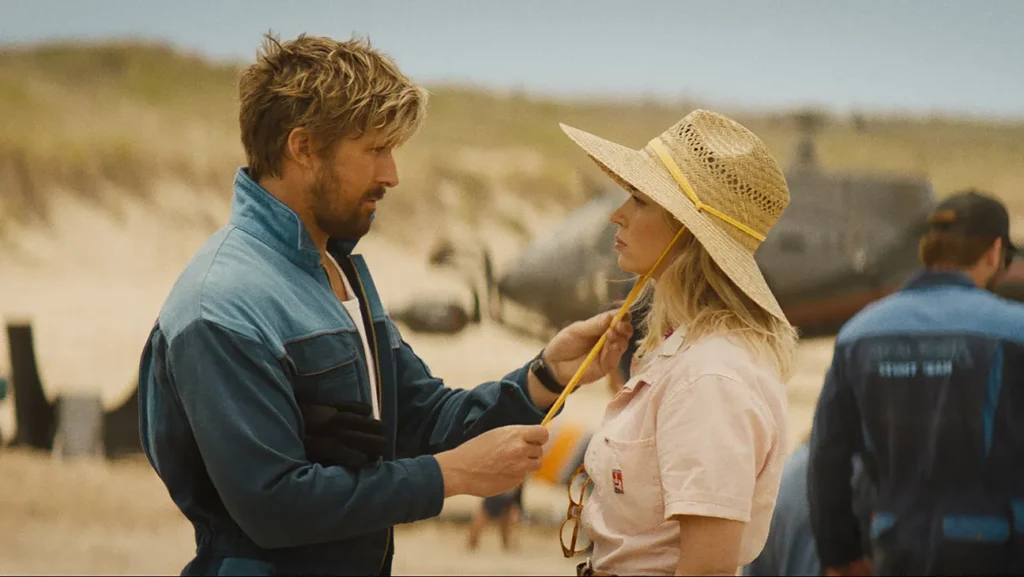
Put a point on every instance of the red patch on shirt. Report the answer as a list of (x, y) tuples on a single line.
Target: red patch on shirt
[(617, 481)]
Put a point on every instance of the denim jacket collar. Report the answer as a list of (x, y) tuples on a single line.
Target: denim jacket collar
[(256, 211)]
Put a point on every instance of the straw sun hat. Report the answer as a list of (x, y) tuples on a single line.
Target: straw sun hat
[(717, 178)]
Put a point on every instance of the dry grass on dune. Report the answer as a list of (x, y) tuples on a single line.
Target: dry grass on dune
[(84, 116)]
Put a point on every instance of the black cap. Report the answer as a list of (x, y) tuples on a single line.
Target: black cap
[(971, 213)]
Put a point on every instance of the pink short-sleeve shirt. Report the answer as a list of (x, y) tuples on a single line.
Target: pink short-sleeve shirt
[(700, 429)]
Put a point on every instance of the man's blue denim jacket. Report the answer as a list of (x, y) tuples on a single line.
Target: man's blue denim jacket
[(252, 328), (927, 385)]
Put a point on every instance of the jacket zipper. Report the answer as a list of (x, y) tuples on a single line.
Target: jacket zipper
[(368, 319)]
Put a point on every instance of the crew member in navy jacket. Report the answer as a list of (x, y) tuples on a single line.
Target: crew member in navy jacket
[(928, 386), (291, 423)]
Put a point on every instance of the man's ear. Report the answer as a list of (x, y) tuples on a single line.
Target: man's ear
[(994, 254), (299, 148)]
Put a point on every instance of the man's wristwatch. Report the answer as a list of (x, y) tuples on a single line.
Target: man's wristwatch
[(545, 375)]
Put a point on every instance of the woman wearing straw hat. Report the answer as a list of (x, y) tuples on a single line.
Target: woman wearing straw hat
[(686, 466)]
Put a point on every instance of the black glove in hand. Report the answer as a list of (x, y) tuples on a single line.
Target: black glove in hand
[(345, 434)]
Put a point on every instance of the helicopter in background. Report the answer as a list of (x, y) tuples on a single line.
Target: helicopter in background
[(845, 240)]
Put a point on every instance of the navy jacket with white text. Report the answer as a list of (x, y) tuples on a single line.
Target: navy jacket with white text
[(927, 385)]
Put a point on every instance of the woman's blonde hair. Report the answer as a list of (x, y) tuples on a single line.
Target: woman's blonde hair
[(694, 293)]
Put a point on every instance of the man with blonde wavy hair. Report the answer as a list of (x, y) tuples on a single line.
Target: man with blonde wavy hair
[(291, 423)]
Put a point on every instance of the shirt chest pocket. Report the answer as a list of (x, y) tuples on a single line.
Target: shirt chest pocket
[(627, 483), (327, 369)]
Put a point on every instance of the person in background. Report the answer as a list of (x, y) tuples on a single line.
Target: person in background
[(790, 548), (505, 508), (291, 423), (925, 385)]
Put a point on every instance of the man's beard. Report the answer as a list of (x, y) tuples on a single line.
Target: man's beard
[(345, 223)]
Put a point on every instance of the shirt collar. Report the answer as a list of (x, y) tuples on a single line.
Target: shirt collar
[(934, 278), (670, 346), (260, 213)]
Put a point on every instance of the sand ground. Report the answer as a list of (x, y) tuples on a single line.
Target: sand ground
[(87, 518), (92, 286)]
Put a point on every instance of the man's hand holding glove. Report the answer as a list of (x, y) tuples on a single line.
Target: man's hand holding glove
[(344, 435)]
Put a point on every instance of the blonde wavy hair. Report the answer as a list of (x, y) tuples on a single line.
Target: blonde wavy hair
[(693, 292), (335, 89)]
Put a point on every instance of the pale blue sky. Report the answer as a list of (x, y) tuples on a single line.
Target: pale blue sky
[(896, 55)]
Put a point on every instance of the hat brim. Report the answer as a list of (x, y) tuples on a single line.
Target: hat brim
[(641, 171)]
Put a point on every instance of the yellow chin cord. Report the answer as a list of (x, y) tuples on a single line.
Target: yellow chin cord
[(575, 381)]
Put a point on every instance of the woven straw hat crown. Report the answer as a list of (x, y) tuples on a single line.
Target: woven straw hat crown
[(730, 169), (717, 178)]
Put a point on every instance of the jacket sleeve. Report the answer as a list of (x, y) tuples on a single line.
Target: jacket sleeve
[(835, 439), (434, 418), (246, 423)]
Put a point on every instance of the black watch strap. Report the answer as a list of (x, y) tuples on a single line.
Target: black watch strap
[(545, 375)]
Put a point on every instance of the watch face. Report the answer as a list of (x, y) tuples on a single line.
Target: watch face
[(538, 369), (545, 375)]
